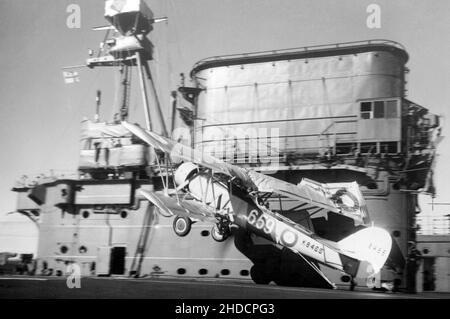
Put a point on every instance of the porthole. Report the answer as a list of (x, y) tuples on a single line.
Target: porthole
[(59, 273), (225, 272), (181, 271), (82, 249), (202, 271), (124, 214), (244, 273), (86, 214), (63, 249), (205, 233), (425, 251), (396, 233)]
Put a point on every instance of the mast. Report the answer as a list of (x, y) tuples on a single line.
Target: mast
[(98, 101), (128, 47), (148, 120), (125, 82)]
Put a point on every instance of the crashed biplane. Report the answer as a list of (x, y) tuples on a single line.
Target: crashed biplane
[(227, 196)]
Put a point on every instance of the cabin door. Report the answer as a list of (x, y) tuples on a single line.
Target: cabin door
[(118, 255), (428, 274)]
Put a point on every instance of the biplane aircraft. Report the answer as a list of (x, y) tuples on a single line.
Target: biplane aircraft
[(228, 196)]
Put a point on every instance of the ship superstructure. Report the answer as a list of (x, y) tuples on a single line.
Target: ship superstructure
[(333, 113)]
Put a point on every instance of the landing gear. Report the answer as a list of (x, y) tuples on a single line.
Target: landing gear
[(220, 233), (182, 226)]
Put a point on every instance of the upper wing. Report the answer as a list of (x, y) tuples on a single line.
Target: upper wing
[(176, 150), (342, 198), (186, 208), (309, 195), (349, 199), (186, 153)]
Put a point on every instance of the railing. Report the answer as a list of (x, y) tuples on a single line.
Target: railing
[(32, 180), (305, 49), (433, 225)]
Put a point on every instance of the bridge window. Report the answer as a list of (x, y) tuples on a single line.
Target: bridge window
[(379, 109), (366, 110), (391, 109)]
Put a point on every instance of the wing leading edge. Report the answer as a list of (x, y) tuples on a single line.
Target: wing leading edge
[(185, 208)]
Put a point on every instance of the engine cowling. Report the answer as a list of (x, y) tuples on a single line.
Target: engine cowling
[(184, 172)]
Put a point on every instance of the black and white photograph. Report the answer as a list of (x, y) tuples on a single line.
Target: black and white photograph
[(240, 150)]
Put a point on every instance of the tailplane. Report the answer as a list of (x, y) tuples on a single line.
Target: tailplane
[(371, 244)]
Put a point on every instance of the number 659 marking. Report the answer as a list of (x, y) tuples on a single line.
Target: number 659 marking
[(261, 222)]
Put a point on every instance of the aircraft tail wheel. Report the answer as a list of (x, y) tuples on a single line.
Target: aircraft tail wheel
[(218, 235), (258, 275), (182, 226)]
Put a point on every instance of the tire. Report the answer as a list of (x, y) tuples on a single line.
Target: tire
[(218, 236), (258, 276), (182, 226)]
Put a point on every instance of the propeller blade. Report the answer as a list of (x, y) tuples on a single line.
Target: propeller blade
[(103, 28), (158, 20)]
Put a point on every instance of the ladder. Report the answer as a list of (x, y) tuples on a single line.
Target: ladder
[(136, 266)]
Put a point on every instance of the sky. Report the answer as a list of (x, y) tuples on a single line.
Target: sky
[(39, 124)]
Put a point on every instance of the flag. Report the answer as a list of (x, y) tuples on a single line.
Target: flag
[(71, 77)]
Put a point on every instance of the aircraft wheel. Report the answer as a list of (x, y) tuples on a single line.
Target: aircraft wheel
[(258, 275), (218, 235), (182, 226)]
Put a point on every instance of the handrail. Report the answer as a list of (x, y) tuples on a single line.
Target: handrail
[(32, 180), (433, 225), (305, 49)]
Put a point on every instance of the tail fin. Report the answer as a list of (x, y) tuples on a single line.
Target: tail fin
[(371, 244)]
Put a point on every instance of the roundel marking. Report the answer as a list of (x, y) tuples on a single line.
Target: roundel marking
[(288, 238), (340, 196)]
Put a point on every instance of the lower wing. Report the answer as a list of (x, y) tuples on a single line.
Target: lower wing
[(185, 208)]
